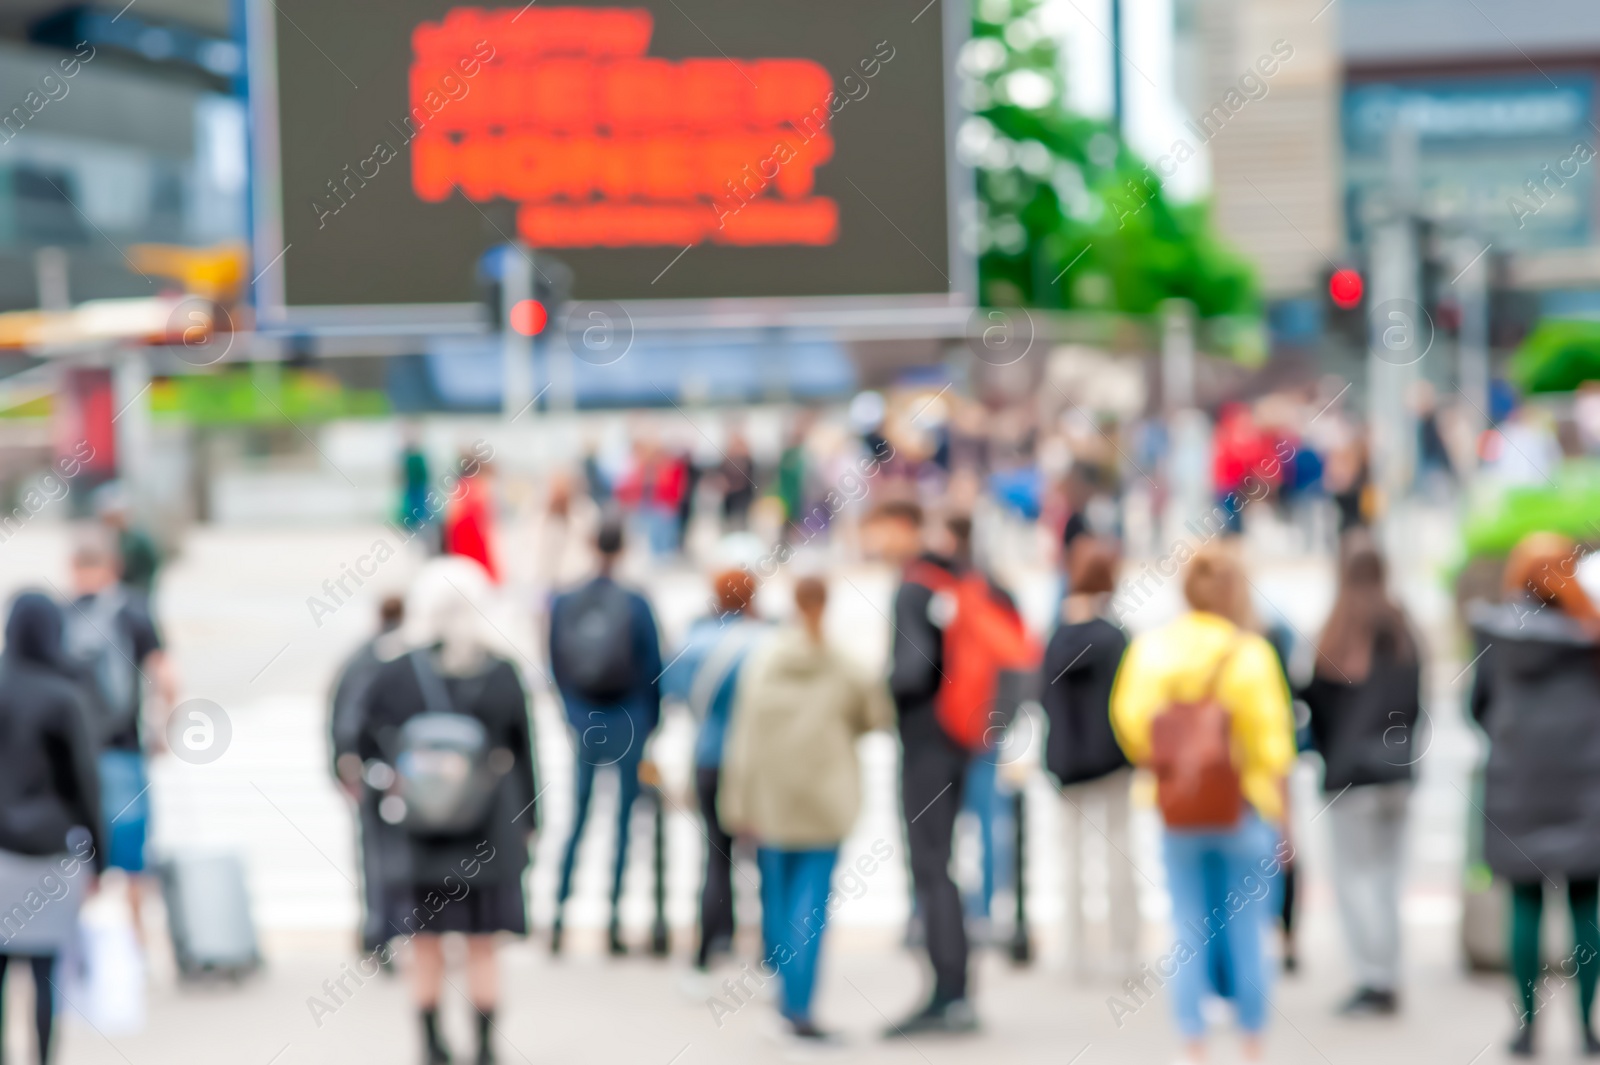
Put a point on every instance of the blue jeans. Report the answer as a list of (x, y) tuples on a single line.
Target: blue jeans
[(794, 911), (660, 525), (609, 740), (1224, 889), (125, 808), (983, 800)]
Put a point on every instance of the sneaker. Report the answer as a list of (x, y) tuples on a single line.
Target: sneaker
[(1591, 1045), (1370, 1002), (614, 936), (951, 1018), (555, 938), (1522, 1045)]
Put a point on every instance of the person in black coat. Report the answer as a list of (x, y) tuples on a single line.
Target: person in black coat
[(1364, 700), (469, 881), (383, 846), (1081, 750), (933, 766), (1537, 696), (52, 842)]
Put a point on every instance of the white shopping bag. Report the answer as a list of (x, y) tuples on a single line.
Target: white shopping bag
[(101, 976)]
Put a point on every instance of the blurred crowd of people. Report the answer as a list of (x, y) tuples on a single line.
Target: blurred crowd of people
[(432, 737)]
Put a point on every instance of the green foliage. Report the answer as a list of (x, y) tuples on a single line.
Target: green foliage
[(1567, 505), (1069, 217), (1558, 356), (238, 398)]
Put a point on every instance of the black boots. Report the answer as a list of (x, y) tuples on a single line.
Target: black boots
[(434, 1052), (485, 1037)]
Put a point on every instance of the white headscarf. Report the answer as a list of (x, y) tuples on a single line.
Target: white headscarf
[(447, 607)]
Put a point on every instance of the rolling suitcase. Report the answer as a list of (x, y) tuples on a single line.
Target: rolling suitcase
[(208, 916)]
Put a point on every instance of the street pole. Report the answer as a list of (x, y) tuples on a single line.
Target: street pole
[(130, 384), (1472, 284), (1177, 355), (1188, 489), (1116, 65), (1399, 334), (516, 284)]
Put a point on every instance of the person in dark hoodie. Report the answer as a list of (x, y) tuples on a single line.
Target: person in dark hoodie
[(1537, 696), (1081, 750), (1364, 699), (383, 845), (52, 841)]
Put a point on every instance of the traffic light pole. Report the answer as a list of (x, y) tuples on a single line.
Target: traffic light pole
[(1177, 355), (1472, 284), (1399, 334), (516, 285)]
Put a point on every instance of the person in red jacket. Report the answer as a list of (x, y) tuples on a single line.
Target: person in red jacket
[(1240, 451), (469, 521)]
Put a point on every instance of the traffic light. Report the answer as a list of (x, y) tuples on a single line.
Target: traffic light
[(522, 290), (1345, 288), (528, 317), (1344, 306)]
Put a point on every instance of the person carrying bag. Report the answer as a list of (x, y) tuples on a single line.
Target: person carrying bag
[(52, 839), (1203, 705)]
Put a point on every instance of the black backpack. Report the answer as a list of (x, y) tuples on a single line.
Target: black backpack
[(593, 641)]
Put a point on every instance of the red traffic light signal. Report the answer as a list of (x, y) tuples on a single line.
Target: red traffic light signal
[(528, 317), (1345, 288)]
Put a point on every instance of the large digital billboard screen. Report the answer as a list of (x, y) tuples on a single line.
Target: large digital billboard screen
[(662, 150)]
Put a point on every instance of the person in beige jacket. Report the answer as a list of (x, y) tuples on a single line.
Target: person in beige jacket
[(792, 781)]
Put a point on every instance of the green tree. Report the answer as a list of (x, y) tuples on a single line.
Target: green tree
[(1068, 216)]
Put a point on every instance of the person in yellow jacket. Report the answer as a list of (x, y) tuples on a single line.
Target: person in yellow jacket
[(1218, 921)]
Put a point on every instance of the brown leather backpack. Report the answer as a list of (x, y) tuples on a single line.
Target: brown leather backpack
[(1191, 753)]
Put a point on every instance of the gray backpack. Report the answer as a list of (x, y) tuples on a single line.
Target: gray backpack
[(442, 763), (98, 641)]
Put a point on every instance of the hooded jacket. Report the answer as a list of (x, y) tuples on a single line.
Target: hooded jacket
[(1537, 696), (790, 775), (48, 781)]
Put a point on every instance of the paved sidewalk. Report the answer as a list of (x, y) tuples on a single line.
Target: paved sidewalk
[(590, 1009)]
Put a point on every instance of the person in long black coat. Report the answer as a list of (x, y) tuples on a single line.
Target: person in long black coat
[(52, 841), (467, 882), (384, 851), (1537, 696)]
